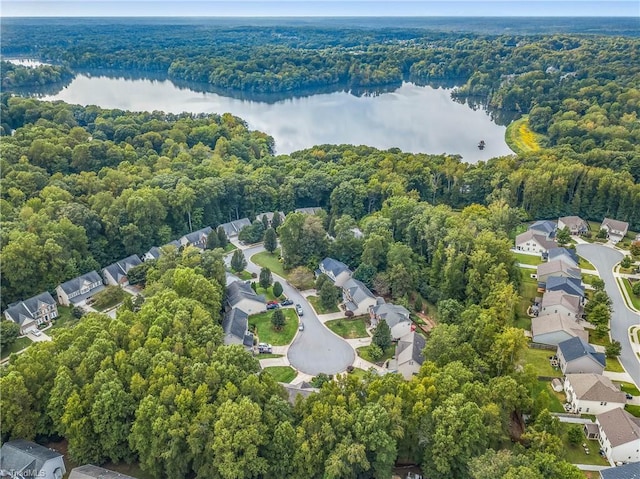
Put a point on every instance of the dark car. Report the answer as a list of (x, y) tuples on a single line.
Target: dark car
[(629, 396), (273, 306), (286, 302)]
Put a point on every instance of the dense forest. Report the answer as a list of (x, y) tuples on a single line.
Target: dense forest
[(19, 76)]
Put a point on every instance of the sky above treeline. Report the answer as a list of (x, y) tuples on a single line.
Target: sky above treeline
[(319, 8)]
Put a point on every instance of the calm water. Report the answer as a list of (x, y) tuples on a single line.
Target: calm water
[(413, 118)]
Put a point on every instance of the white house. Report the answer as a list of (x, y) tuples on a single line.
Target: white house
[(116, 273), (559, 302), (554, 328), (30, 313), (22, 459), (79, 289), (575, 355), (396, 317), (241, 296), (336, 271), (408, 357), (616, 230), (592, 393), (619, 435), (532, 242), (357, 297)]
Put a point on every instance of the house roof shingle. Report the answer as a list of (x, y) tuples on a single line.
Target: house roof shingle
[(563, 254), (196, 236), (119, 269), (75, 284), (334, 266), (20, 454), (392, 314), (574, 222), (619, 426), (309, 211), (615, 225), (626, 471), (235, 323), (576, 348), (557, 267), (409, 348), (541, 239), (239, 290), (89, 471), (357, 290), (594, 387), (555, 322), (546, 227), (25, 310), (568, 285), (560, 298)]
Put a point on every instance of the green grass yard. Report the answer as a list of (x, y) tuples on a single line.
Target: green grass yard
[(614, 365), (363, 352), (271, 261), (576, 454), (584, 264), (629, 388), (539, 359), (528, 259), (282, 374), (18, 345), (317, 305), (348, 328), (244, 275), (633, 410), (635, 300), (266, 332), (555, 399), (528, 292)]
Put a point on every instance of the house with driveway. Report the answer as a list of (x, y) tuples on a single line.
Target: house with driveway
[(534, 242), (197, 239), (616, 230), (567, 285), (233, 228), (22, 459), (116, 273), (592, 393), (32, 312), (396, 317), (575, 355), (557, 268), (619, 435), (240, 295), (336, 271), (357, 297), (559, 302), (408, 357), (236, 328), (563, 254), (544, 227), (78, 290), (89, 471), (555, 328), (576, 225), (155, 252), (269, 215)]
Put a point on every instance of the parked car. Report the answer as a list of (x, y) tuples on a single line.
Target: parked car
[(272, 302), (629, 396), (273, 305), (301, 326), (264, 348), (286, 302), (37, 333), (299, 310)]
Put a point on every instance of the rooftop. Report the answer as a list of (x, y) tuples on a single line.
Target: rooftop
[(619, 426), (594, 387), (575, 348)]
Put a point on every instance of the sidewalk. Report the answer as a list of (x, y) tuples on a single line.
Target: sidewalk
[(619, 376), (329, 316)]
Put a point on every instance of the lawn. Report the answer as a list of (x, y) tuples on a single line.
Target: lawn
[(584, 264), (64, 320), (633, 410), (539, 359), (269, 356), (629, 388), (555, 399), (528, 292), (268, 293), (348, 328), (108, 298), (358, 373), (243, 275), (588, 278), (528, 259), (282, 374), (598, 340), (267, 334), (614, 365), (271, 261), (317, 305), (576, 454), (363, 352), (634, 299), (521, 139), (19, 344)]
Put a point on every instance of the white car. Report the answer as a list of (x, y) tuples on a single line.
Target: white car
[(301, 326), (299, 310), (37, 333)]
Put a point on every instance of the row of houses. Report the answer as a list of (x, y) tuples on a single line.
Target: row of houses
[(359, 300)]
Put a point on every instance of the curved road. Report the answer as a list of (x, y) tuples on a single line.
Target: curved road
[(604, 259), (316, 349)]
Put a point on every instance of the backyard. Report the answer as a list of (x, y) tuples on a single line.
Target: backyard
[(363, 352), (555, 399), (528, 259), (576, 454), (528, 292), (348, 328), (320, 309), (261, 323), (282, 374), (539, 359)]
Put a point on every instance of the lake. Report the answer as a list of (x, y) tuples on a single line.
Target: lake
[(418, 119)]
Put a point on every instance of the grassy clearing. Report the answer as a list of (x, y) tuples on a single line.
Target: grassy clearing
[(555, 399), (18, 345), (269, 356), (317, 305), (261, 323), (108, 298), (521, 138), (528, 259), (576, 454), (598, 340), (614, 365), (629, 388), (271, 261), (244, 275), (282, 374), (635, 300), (528, 292), (363, 352), (539, 359), (348, 328), (267, 293), (633, 410)]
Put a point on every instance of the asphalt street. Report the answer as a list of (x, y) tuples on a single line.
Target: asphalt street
[(316, 349), (604, 259)]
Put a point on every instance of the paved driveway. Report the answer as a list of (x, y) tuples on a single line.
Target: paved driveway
[(316, 349), (604, 259)]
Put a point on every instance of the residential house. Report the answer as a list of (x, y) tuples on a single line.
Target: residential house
[(357, 297), (619, 435), (155, 252), (616, 230), (79, 289), (555, 328), (304, 390), (561, 303), (336, 271), (571, 286), (532, 242), (89, 471), (233, 228), (544, 227), (30, 313), (197, 239), (396, 317), (563, 254), (557, 268), (576, 225), (236, 328), (309, 211), (625, 471), (241, 296), (575, 355), (408, 357), (592, 393), (270, 216), (116, 273), (22, 459)]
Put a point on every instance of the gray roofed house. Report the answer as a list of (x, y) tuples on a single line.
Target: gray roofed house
[(236, 328), (89, 471), (592, 393), (153, 253), (79, 289), (532, 241), (408, 357), (197, 239), (294, 390), (619, 435), (616, 230), (357, 297), (576, 225), (309, 211), (563, 254), (557, 268), (568, 285), (233, 228), (562, 303), (554, 328), (116, 273), (546, 227), (30, 313), (22, 459), (336, 271), (241, 296), (575, 355), (625, 471), (270, 215), (396, 317)]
